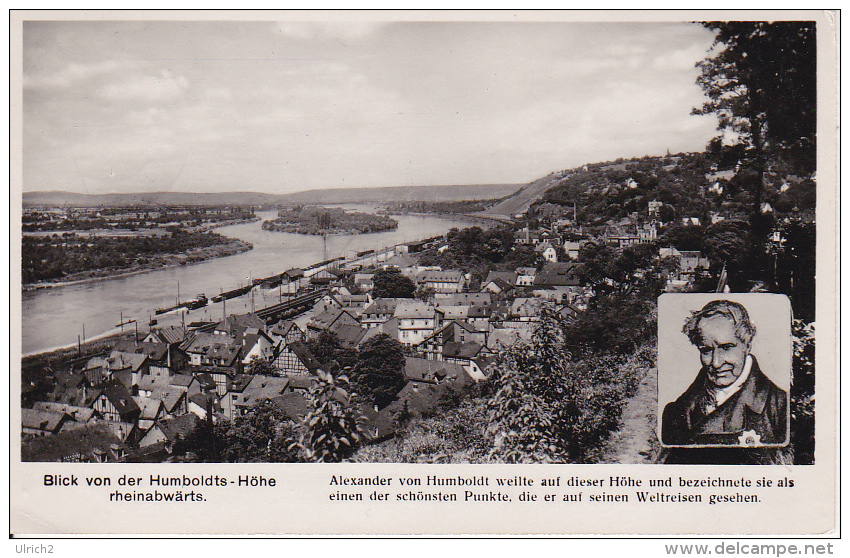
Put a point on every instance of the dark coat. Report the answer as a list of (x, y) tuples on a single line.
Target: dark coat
[(759, 406)]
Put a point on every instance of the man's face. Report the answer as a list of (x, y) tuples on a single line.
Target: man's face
[(722, 354)]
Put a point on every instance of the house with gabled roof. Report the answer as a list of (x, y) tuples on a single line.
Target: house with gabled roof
[(364, 282), (377, 426), (157, 353), (127, 368), (300, 384), (525, 276), (151, 411), (401, 261), (38, 422), (619, 237), (91, 443), (169, 335), (174, 400), (295, 359), (388, 328), (257, 344), (114, 402), (509, 277), (286, 331), (433, 347), (416, 321), (479, 318), (165, 434), (456, 313), (216, 355), (259, 389), (557, 282), (421, 370), (547, 250), (506, 337), (569, 312), (172, 337), (326, 320), (213, 349), (236, 325), (523, 312), (72, 385), (445, 281), (349, 335), (480, 299), (498, 286), (527, 237), (189, 383), (237, 386), (379, 311), (75, 412), (355, 303)]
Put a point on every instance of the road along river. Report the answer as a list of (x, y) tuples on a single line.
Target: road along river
[(55, 317)]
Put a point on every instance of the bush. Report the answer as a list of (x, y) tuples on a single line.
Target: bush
[(548, 408)]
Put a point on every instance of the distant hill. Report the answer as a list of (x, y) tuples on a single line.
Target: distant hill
[(335, 195), (405, 193), (522, 199)]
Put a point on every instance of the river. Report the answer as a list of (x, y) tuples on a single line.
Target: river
[(55, 317)]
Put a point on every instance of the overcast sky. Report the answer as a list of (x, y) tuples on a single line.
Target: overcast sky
[(282, 107)]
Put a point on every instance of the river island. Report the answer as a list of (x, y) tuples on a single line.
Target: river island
[(319, 220)]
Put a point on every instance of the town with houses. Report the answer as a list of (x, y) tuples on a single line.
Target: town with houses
[(136, 401)]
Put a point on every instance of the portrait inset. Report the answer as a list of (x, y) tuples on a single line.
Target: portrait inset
[(724, 370)]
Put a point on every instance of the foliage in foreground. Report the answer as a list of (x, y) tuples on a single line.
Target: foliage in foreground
[(331, 430), (549, 408), (538, 405), (456, 435)]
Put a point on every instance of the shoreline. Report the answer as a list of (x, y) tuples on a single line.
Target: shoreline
[(476, 219), (241, 247), (106, 336), (115, 331)]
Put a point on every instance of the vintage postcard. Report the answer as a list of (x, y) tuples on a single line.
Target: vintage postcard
[(424, 273)]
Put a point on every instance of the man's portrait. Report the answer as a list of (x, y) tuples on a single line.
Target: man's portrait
[(719, 394)]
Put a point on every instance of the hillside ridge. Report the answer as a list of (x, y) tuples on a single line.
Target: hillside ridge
[(338, 195)]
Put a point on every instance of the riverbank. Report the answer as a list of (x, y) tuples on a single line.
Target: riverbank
[(92, 346), (484, 222), (164, 261), (219, 224)]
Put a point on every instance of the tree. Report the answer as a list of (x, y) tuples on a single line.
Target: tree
[(378, 375), (761, 83), (425, 293), (261, 366), (262, 435), (330, 353), (390, 283), (331, 429)]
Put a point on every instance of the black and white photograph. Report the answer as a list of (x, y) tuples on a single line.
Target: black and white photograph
[(730, 386), (427, 238)]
